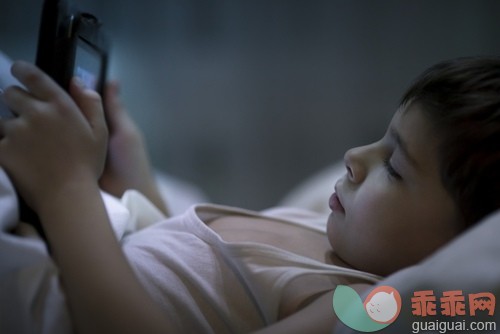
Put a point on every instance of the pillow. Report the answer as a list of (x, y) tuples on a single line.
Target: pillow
[(313, 193), (467, 269)]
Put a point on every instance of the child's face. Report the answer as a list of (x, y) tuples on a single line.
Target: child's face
[(390, 209)]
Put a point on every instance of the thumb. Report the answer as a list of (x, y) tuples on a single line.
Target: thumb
[(89, 102), (112, 96), (113, 108)]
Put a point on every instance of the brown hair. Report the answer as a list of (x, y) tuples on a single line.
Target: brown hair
[(461, 97)]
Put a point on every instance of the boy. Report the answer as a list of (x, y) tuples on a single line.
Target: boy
[(402, 197)]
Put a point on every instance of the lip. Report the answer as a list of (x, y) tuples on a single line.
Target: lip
[(335, 203)]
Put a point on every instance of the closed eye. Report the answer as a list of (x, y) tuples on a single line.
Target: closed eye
[(390, 170)]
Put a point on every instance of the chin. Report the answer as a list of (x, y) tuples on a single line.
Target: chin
[(330, 231)]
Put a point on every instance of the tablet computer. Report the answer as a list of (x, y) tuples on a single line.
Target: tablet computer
[(71, 43)]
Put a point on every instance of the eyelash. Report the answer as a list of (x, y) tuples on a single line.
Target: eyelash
[(390, 170)]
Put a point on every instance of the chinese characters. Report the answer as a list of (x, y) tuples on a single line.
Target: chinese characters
[(452, 303)]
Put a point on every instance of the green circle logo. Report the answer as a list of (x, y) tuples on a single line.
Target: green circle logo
[(380, 309)]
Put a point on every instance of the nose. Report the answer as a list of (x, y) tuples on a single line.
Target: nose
[(357, 163)]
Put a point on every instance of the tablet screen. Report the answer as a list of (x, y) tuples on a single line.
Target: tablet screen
[(88, 65)]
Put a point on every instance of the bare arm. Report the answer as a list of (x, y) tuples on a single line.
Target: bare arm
[(103, 293), (54, 152), (317, 317)]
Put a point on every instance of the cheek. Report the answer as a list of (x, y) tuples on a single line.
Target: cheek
[(366, 238), (372, 207), (355, 232)]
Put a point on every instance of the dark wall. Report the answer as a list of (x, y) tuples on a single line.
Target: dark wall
[(247, 98)]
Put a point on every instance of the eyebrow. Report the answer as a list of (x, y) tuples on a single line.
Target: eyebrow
[(403, 147)]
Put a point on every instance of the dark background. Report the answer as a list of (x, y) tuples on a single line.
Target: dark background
[(247, 98)]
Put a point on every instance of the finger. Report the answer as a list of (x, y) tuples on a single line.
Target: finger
[(113, 106), (36, 81), (9, 125), (90, 104), (111, 94), (5, 111), (112, 89), (21, 102), (9, 128)]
